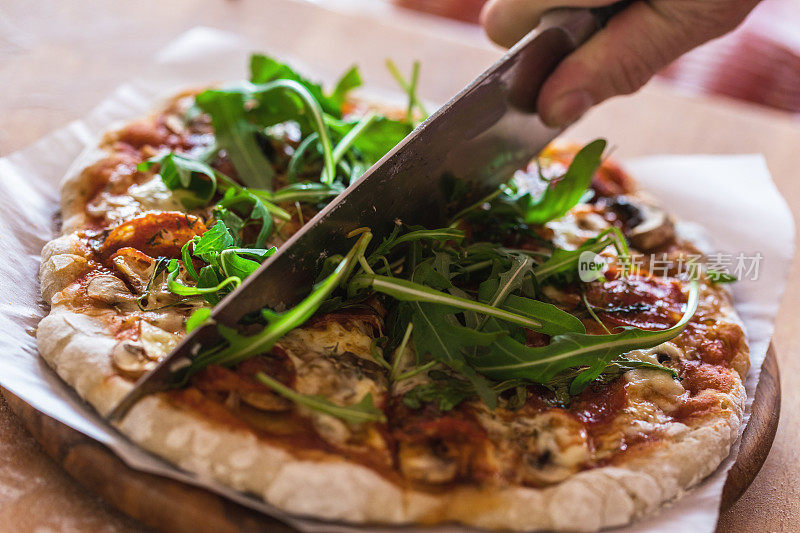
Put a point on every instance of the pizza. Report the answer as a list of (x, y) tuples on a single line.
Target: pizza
[(558, 356)]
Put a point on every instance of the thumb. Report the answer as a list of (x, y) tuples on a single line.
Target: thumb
[(624, 55)]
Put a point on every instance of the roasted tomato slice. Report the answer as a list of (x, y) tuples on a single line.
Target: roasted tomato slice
[(646, 302), (159, 234)]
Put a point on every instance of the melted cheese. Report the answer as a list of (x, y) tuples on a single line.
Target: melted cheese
[(334, 360), (650, 355), (547, 447), (154, 195), (323, 358), (156, 342), (654, 387), (578, 225)]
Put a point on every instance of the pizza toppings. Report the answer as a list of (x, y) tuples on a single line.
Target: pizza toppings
[(160, 234), (134, 266), (475, 354), (108, 289), (130, 358), (646, 226), (466, 305), (642, 301), (553, 446)]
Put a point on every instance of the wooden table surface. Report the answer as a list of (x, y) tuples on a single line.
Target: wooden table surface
[(58, 58)]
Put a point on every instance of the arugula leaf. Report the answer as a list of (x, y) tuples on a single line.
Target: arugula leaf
[(558, 321), (356, 414), (310, 192), (208, 278), (399, 351), (259, 211), (278, 94), (197, 318), (509, 359), (381, 135), (237, 136), (217, 247), (240, 347), (408, 291), (495, 290), (562, 261), (395, 239), (180, 289), (350, 138), (214, 240), (232, 221), (562, 195), (446, 394), (233, 264), (350, 80), (177, 170), (410, 87), (240, 113), (264, 69), (180, 172), (439, 335)]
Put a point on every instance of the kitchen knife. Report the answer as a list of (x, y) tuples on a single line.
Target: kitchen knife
[(473, 143)]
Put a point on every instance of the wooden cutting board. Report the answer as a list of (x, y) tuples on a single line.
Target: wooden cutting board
[(171, 506)]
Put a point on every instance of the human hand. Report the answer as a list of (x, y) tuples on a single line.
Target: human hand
[(621, 57)]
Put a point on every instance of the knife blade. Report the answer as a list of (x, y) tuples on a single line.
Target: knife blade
[(474, 142)]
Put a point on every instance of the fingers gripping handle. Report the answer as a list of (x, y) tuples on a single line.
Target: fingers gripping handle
[(537, 55)]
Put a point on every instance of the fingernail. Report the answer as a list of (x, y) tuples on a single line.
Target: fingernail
[(568, 108)]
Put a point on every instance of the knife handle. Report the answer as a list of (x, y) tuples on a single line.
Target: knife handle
[(537, 54), (603, 14)]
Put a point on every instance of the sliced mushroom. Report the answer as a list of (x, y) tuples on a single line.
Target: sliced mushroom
[(136, 267), (171, 319), (108, 289), (131, 359), (656, 230), (590, 221), (647, 227), (419, 462), (332, 429), (265, 401)]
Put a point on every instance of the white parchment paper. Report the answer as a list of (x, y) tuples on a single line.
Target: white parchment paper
[(733, 197)]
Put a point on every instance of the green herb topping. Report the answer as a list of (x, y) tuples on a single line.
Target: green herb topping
[(461, 300)]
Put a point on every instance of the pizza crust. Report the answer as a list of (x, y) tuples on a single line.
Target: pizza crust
[(336, 490), (78, 348), (74, 189)]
